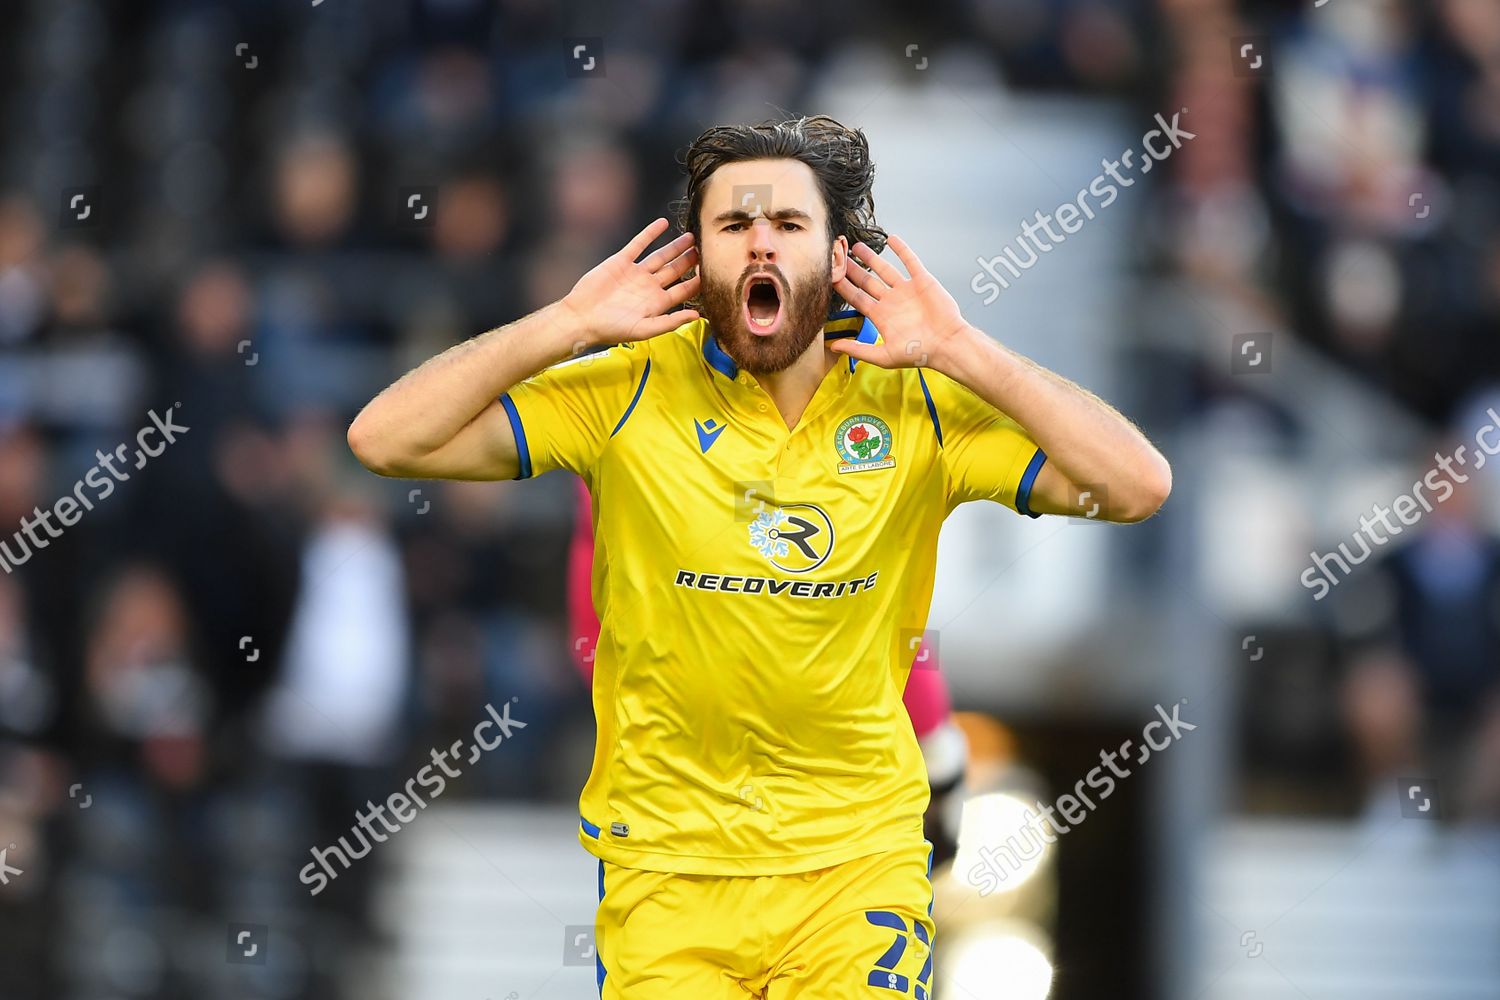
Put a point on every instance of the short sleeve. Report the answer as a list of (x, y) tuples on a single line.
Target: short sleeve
[(563, 416), (986, 454)]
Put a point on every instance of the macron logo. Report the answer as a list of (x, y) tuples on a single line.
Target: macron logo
[(708, 433)]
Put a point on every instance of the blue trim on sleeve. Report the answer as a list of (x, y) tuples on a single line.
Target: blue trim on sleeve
[(1023, 492), (523, 452), (634, 399), (931, 409), (589, 828)]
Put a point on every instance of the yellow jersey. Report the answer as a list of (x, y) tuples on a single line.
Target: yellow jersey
[(758, 591)]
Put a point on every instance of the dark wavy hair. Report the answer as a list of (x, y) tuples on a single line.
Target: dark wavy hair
[(838, 155)]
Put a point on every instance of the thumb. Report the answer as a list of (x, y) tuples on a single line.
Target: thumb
[(655, 326), (858, 350)]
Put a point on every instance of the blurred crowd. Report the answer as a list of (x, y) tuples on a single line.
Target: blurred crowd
[(1352, 198), (222, 662), (1355, 195)]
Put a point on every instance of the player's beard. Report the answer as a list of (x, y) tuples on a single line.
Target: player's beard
[(804, 311)]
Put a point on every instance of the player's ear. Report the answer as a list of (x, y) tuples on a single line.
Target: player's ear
[(838, 257)]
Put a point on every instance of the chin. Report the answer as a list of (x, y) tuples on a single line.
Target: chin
[(766, 354), (767, 327)]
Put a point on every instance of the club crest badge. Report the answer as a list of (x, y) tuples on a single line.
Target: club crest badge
[(863, 442)]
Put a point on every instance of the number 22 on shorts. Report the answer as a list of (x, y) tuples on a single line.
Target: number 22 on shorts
[(884, 975)]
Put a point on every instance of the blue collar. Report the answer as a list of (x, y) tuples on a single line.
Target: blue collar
[(840, 324)]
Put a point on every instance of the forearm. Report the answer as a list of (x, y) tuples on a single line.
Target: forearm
[(1086, 440), (429, 405)]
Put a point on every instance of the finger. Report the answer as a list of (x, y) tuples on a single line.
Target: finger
[(870, 282), (668, 253), (644, 239), (656, 325), (873, 353), (684, 263), (858, 299), (907, 254), (866, 255), (682, 291)]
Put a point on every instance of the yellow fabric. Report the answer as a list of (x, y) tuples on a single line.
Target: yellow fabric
[(831, 934), (754, 649)]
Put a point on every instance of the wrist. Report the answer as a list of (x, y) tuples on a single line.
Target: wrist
[(960, 355), (574, 326)]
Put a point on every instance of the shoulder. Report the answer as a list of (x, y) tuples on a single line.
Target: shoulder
[(895, 386), (685, 342), (899, 394), (664, 350)]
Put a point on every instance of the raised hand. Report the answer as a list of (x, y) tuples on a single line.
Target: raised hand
[(918, 320), (623, 299)]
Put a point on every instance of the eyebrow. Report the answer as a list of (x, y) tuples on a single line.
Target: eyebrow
[(740, 215)]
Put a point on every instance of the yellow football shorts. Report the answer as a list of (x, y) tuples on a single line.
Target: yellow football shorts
[(862, 929)]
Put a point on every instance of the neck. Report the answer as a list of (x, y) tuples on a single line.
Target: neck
[(792, 388)]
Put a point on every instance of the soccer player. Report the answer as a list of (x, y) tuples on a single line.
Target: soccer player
[(943, 744), (767, 501)]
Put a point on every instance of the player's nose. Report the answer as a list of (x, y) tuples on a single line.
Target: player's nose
[(762, 247)]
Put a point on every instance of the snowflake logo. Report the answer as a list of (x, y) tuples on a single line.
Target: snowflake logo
[(765, 534)]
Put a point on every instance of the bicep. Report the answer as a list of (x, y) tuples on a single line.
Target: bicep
[(993, 460)]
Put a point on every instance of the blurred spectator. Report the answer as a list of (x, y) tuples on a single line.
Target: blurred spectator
[(22, 284), (337, 712), (1421, 639), (147, 698), (316, 189), (343, 681), (28, 695)]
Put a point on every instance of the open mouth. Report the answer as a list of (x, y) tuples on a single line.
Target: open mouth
[(762, 305)]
